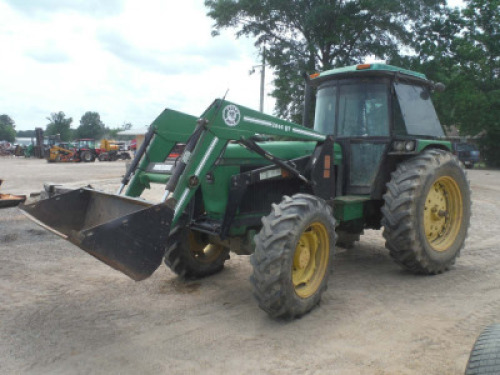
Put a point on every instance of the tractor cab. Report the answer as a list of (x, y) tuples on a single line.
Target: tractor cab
[(374, 111), (85, 143)]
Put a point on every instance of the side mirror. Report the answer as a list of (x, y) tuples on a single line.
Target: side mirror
[(439, 87), (308, 93)]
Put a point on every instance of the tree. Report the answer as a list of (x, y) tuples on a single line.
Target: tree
[(91, 126), (479, 54), (307, 36), (436, 40), (126, 126), (113, 133), (59, 124), (462, 50), (7, 129)]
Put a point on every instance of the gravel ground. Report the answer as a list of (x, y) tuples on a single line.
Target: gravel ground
[(63, 312)]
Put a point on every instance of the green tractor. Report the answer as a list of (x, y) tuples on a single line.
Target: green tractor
[(376, 157)]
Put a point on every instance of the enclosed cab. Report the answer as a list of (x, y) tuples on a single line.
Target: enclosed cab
[(380, 115)]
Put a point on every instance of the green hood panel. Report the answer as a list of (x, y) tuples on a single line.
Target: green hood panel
[(238, 155), (215, 195)]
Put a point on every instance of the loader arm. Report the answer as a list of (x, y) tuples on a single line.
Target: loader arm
[(169, 128), (226, 121), (130, 234)]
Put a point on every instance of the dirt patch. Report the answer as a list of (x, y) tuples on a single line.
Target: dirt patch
[(10, 237), (62, 311)]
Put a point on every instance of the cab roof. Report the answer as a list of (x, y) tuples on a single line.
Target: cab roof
[(366, 69)]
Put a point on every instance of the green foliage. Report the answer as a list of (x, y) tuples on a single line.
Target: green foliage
[(113, 133), (462, 50), (490, 152), (7, 129), (307, 36), (59, 124), (91, 126)]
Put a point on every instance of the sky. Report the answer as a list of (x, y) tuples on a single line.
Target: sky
[(126, 59)]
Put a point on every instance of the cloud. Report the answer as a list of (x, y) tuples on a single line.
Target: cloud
[(48, 55), (142, 58), (215, 52), (127, 67), (98, 8), (188, 59)]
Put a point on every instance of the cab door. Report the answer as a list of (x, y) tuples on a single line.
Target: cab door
[(363, 130)]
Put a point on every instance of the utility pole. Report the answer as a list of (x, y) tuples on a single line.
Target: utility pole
[(262, 79)]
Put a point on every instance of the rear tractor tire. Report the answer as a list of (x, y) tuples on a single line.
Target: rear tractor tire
[(293, 256), (190, 255), (485, 355), (427, 212)]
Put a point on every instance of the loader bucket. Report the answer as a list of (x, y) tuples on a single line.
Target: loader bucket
[(127, 234)]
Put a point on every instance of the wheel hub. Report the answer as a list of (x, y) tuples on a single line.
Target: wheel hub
[(442, 213), (202, 251), (303, 256), (310, 260)]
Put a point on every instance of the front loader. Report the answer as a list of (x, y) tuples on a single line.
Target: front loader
[(376, 157), (62, 152)]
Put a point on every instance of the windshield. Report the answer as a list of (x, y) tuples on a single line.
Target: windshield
[(362, 110), (466, 147), (326, 101), (417, 111), (86, 143)]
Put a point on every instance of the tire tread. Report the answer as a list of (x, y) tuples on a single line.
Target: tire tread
[(399, 211), (273, 245)]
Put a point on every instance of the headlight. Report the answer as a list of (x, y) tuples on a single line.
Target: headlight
[(410, 146), (398, 146)]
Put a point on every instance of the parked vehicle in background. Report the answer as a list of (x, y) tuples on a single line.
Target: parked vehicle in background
[(50, 141), (112, 150), (62, 152), (6, 148), (85, 149), (79, 150), (467, 153)]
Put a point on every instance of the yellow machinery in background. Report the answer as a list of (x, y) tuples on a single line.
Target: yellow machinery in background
[(112, 150), (62, 152), (109, 145)]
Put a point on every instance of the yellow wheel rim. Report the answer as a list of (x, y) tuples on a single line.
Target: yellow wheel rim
[(202, 251), (443, 213), (310, 260)]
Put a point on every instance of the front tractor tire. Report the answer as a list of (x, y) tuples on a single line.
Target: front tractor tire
[(427, 212), (293, 256), (87, 156), (191, 256)]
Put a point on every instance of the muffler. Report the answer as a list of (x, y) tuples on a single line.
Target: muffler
[(126, 233)]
